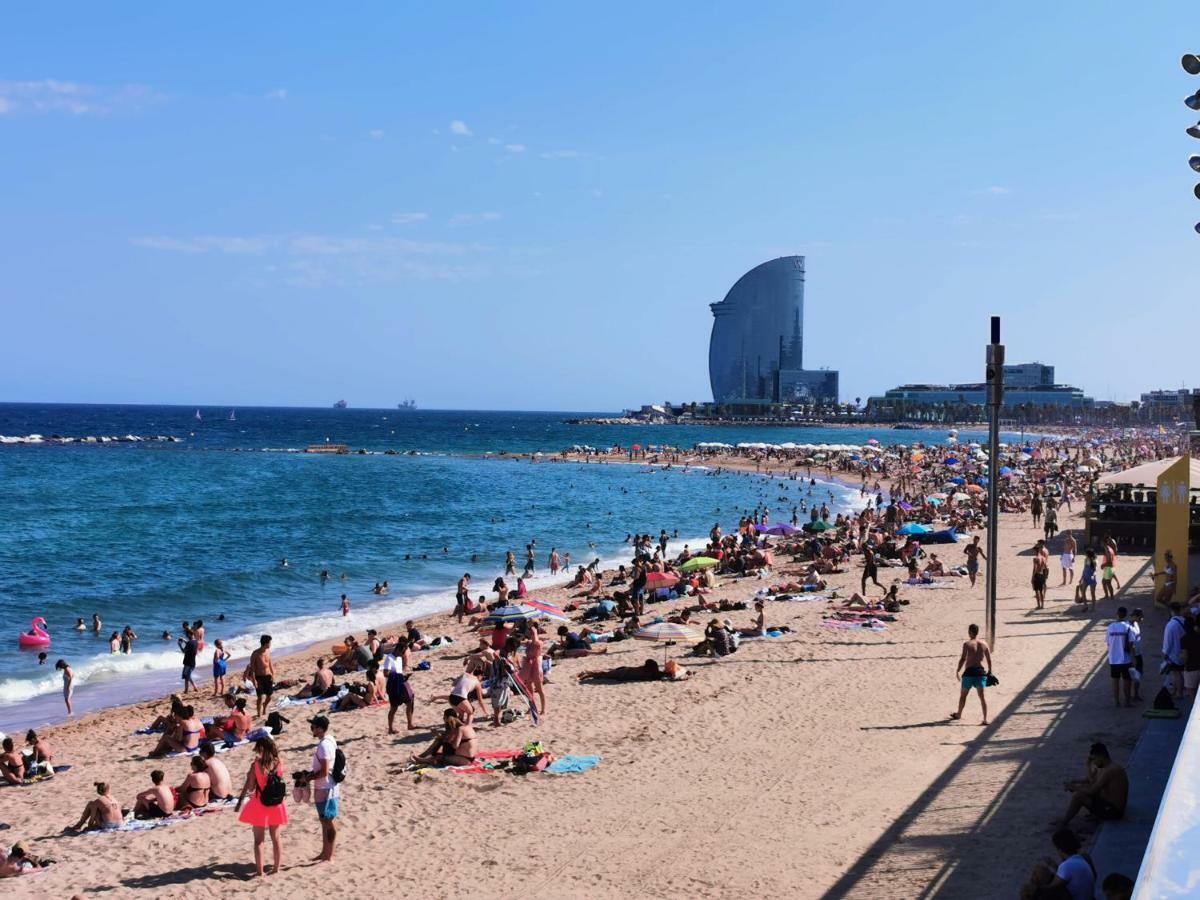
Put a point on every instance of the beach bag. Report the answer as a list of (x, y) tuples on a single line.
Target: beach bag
[(274, 790), (338, 773), (1163, 700), (992, 680)]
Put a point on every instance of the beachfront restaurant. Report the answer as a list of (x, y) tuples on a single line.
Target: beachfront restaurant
[(1124, 504)]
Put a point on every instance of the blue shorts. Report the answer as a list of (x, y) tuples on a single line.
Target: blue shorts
[(327, 809), (973, 681)]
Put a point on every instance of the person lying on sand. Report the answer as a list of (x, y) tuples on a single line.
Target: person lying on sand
[(647, 671), (570, 644), (454, 746), (18, 861), (156, 802), (101, 813)]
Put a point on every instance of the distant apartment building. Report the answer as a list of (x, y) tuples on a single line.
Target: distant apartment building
[(1024, 384), (1169, 406), (756, 353)]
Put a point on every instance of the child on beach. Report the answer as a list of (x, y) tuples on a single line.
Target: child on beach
[(220, 665)]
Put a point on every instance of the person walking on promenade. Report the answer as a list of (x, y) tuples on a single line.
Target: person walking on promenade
[(267, 809), (974, 667)]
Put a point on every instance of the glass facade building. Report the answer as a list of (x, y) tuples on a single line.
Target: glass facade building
[(756, 353)]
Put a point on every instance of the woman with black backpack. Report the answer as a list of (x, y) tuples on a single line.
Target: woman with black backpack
[(266, 810)]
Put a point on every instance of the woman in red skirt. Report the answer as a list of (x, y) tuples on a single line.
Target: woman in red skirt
[(267, 809)]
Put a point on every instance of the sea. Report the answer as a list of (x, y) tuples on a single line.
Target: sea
[(152, 533)]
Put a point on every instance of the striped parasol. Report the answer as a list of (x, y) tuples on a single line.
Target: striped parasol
[(665, 632), (548, 610)]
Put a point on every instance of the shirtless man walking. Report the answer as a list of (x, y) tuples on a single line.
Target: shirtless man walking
[(1041, 571), (263, 670), (973, 667), (1068, 558), (974, 554)]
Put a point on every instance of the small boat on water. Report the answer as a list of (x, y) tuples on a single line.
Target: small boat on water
[(232, 416), (199, 418)]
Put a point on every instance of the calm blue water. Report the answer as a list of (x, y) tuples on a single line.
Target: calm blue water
[(148, 535)]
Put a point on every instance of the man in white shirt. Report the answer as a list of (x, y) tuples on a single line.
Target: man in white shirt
[(325, 789), (1120, 656)]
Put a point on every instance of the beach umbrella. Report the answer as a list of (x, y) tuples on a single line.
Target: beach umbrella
[(818, 525), (698, 562), (905, 505), (872, 441), (657, 580), (1006, 470), (666, 633), (548, 610), (512, 613), (912, 528), (958, 479), (937, 501), (951, 460), (938, 496), (781, 529), (961, 496), (975, 488)]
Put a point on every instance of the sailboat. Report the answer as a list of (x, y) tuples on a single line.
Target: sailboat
[(199, 417), (232, 417)]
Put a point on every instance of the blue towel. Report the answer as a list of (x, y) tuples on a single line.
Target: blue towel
[(569, 765)]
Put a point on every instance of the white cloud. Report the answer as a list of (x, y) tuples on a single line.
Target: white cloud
[(459, 127), (376, 134), (515, 148), (408, 218), (318, 260), (276, 94), (50, 95), (563, 154), (474, 218), (493, 140), (995, 190)]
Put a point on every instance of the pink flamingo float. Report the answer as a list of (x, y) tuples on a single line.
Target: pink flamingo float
[(37, 636)]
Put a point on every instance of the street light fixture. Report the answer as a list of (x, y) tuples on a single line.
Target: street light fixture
[(1194, 131), (1190, 63), (1194, 162), (1193, 102)]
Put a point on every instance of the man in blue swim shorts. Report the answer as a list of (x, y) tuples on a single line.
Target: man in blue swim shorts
[(325, 789), (974, 666)]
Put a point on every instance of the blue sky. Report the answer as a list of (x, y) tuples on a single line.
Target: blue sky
[(531, 205)]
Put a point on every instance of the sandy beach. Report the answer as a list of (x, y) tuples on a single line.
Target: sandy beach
[(820, 763)]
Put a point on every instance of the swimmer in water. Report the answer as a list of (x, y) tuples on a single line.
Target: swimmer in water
[(96, 623), (283, 563), (79, 626), (42, 658)]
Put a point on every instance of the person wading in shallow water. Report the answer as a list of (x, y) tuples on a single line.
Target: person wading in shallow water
[(974, 666)]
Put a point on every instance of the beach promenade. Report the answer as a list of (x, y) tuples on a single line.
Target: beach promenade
[(820, 763)]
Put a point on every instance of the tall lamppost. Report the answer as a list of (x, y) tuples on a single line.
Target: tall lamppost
[(1191, 65), (995, 398)]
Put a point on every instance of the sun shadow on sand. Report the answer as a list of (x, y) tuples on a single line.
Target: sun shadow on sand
[(1010, 785), (217, 871)]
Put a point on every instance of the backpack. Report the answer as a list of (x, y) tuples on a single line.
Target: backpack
[(338, 773), (275, 723), (274, 790)]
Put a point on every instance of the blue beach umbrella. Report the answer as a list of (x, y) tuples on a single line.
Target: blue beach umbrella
[(913, 528), (513, 613), (1006, 470), (958, 479)]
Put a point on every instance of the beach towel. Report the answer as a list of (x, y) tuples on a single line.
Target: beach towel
[(570, 765), (759, 637), (485, 763), (37, 779), (285, 702), (223, 746), (132, 824)]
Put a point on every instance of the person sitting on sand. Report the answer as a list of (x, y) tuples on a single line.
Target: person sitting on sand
[(236, 725), (934, 567), (186, 737), (156, 802), (17, 861), (373, 691), (194, 792), (220, 783), (570, 644), (454, 746), (321, 685), (103, 813), (1074, 876), (171, 719), (1104, 792), (41, 759), (759, 628), (12, 763), (415, 640)]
